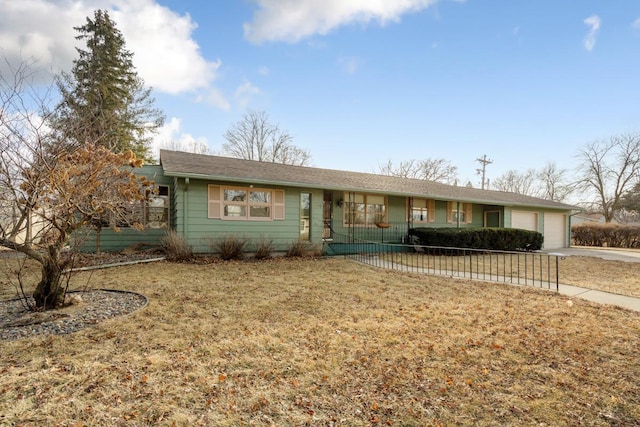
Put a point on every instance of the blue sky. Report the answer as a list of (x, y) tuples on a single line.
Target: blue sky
[(358, 83)]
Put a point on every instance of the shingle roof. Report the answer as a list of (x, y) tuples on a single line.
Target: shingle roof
[(181, 164)]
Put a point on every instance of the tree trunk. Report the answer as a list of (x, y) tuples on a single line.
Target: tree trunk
[(49, 292)]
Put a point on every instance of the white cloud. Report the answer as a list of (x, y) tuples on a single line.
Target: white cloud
[(293, 20), (636, 24), (170, 137), (244, 93), (214, 97), (593, 22), (165, 54)]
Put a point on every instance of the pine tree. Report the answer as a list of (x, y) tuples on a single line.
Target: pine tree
[(104, 101)]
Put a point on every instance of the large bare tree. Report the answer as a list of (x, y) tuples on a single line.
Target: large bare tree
[(554, 183), (549, 182), (517, 182), (254, 137), (608, 169), (48, 192), (429, 169)]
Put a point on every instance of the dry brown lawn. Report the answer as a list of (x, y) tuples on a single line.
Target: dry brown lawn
[(618, 277), (328, 342)]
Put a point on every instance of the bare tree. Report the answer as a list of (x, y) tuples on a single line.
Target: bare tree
[(608, 169), (48, 192), (190, 146), (517, 182), (254, 137), (554, 184), (429, 169)]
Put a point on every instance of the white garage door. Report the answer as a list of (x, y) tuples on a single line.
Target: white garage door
[(524, 220), (555, 231)]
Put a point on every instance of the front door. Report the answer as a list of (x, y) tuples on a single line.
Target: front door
[(492, 218)]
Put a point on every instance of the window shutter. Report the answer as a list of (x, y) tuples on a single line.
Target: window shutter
[(431, 210), (214, 202), (450, 207), (468, 211), (278, 205)]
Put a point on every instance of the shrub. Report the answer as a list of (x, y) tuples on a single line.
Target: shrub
[(603, 234), (176, 247), (263, 248), (229, 247), (504, 239), (297, 249)]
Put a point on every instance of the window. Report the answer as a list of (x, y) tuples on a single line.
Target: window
[(242, 203), (364, 209), (423, 210), (150, 213), (157, 212), (460, 212)]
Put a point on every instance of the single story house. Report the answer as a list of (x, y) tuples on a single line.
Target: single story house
[(205, 198)]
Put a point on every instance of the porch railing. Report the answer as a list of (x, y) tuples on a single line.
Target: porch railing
[(391, 232), (535, 269)]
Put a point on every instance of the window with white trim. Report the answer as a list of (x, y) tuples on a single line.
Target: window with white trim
[(364, 209), (422, 210), (460, 212), (245, 203)]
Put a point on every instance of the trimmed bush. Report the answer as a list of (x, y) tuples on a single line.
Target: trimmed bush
[(503, 239), (609, 235)]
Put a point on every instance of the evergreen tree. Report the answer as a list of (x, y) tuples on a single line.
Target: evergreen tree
[(631, 199), (104, 102)]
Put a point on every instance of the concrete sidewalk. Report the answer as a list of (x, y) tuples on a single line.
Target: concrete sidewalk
[(600, 297), (615, 254)]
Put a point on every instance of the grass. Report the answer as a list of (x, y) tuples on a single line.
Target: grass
[(618, 277), (327, 342)]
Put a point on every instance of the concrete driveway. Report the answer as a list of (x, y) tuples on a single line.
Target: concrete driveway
[(615, 254)]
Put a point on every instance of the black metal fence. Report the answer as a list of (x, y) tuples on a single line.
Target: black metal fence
[(536, 269)]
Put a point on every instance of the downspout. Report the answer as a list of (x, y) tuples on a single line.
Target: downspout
[(570, 215), (185, 195)]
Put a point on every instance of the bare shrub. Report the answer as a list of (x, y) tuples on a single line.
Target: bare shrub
[(176, 247), (229, 247), (263, 248), (297, 249)]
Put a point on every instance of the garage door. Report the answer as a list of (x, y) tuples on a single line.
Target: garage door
[(555, 231), (524, 220)]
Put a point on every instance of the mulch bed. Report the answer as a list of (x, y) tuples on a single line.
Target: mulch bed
[(87, 308)]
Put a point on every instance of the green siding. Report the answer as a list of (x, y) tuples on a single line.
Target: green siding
[(189, 217), (111, 240), (202, 232)]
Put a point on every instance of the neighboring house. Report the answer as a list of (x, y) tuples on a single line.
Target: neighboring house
[(204, 198)]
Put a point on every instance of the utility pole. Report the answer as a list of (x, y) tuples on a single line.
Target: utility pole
[(484, 161)]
